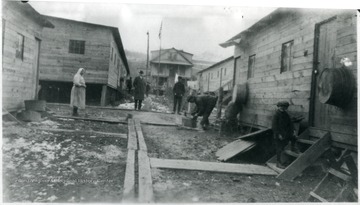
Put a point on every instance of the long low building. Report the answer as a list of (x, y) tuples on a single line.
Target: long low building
[(220, 74), (295, 55)]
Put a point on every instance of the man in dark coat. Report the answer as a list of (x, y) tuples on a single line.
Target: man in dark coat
[(283, 130), (139, 90), (204, 106), (179, 91)]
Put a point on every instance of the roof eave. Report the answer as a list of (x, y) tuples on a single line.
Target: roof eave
[(232, 42)]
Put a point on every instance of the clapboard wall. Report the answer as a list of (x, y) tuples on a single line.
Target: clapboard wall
[(268, 85), (116, 65), (19, 75), (57, 64)]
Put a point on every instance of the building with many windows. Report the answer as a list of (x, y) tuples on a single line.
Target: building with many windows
[(170, 63), (74, 44)]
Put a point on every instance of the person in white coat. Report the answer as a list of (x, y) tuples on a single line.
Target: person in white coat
[(78, 92)]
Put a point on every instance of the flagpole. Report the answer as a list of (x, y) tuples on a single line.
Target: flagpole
[(147, 57), (158, 73)]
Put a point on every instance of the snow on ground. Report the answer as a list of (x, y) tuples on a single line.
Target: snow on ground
[(150, 103)]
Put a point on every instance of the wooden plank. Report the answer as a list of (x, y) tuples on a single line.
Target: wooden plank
[(339, 174), (132, 140), (211, 166), (306, 159), (293, 154), (124, 136), (93, 119), (158, 124), (255, 134), (306, 141), (146, 192), (317, 197), (142, 144), (129, 181), (336, 137), (233, 149)]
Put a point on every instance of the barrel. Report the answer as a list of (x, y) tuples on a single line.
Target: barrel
[(240, 93), (336, 86)]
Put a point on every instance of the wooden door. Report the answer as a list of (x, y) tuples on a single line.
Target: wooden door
[(36, 66), (326, 34)]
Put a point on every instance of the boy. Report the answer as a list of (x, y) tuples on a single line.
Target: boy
[(283, 130)]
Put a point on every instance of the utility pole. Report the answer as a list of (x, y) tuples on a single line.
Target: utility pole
[(220, 97), (147, 56)]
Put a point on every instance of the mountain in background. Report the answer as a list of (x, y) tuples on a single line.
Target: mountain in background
[(137, 61)]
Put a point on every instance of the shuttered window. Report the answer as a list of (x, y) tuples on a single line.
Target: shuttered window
[(286, 56), (76, 46), (251, 66), (19, 47)]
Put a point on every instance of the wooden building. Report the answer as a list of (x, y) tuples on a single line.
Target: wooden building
[(172, 62), (295, 55), (220, 74), (74, 44), (21, 41)]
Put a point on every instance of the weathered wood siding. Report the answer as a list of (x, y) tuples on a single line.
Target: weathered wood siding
[(57, 64), (116, 65), (18, 76), (213, 83), (268, 85)]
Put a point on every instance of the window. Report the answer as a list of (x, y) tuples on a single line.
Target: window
[(224, 71), (212, 75), (286, 56), (218, 73), (115, 59), (251, 66), (76, 46), (112, 51), (19, 47)]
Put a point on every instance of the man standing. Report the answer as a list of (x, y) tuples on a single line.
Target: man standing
[(139, 90), (283, 130), (179, 91), (204, 106)]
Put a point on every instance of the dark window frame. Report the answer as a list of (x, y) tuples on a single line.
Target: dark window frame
[(19, 50), (286, 56), (77, 46), (251, 66)]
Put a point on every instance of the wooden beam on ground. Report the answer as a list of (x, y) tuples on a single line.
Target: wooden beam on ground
[(307, 158), (120, 120), (142, 144), (146, 192), (255, 134), (211, 166), (110, 108), (124, 136), (132, 140), (158, 124), (129, 181), (234, 148)]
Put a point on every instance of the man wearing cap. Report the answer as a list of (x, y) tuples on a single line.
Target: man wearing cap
[(204, 106), (139, 90), (179, 91), (283, 130)]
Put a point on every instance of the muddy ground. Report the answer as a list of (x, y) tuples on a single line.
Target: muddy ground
[(103, 158)]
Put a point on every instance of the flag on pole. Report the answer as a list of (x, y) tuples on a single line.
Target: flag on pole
[(160, 30)]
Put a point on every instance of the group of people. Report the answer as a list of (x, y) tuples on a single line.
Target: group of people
[(282, 126)]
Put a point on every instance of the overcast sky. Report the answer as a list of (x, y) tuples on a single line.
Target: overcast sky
[(196, 29)]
